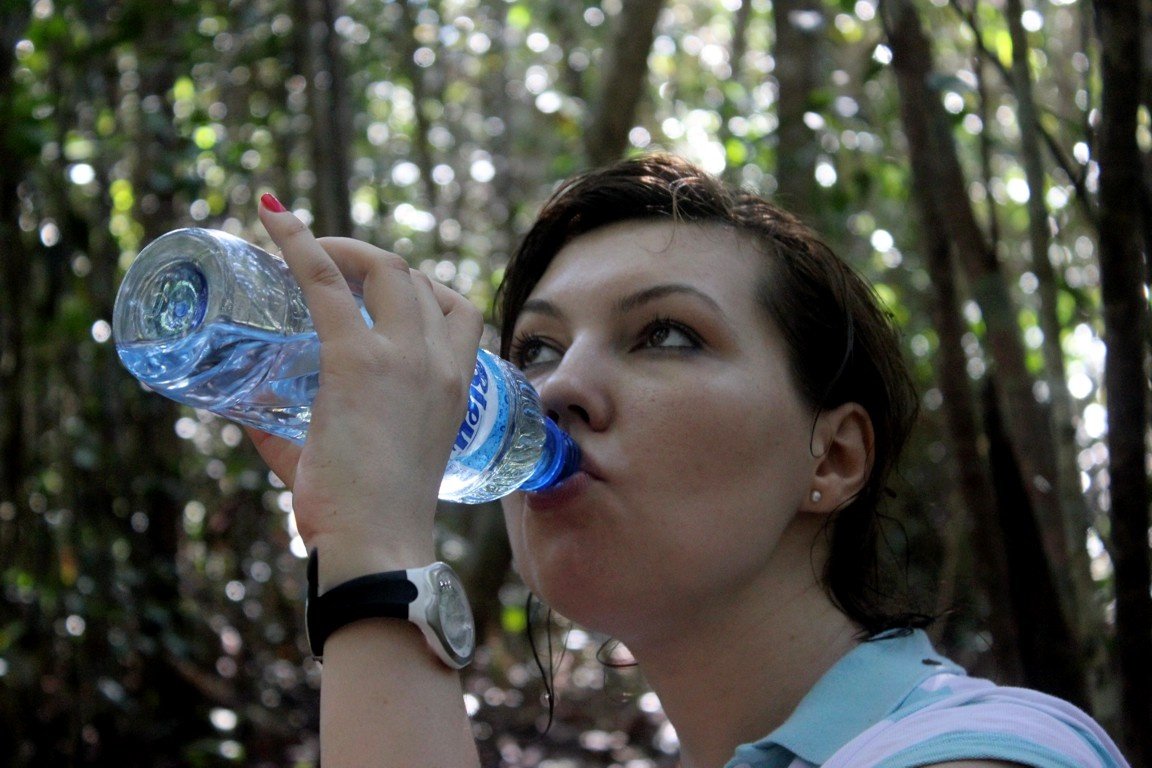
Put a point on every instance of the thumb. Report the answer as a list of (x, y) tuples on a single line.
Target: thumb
[(281, 455)]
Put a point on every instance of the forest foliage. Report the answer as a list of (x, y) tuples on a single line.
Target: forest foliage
[(984, 161)]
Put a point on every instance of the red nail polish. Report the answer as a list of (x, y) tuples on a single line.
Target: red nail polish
[(270, 202)]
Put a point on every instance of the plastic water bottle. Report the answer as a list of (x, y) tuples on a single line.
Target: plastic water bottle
[(214, 322)]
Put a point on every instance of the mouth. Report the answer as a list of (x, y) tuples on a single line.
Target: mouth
[(588, 466), (558, 495)]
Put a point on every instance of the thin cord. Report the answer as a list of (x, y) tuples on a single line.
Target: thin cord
[(546, 675)]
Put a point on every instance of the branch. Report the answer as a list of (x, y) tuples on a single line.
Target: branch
[(1075, 172)]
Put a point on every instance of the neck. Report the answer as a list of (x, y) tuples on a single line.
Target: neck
[(736, 672)]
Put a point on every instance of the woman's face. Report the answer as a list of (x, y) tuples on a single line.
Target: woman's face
[(646, 342)]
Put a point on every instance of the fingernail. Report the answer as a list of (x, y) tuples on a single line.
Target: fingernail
[(270, 202)]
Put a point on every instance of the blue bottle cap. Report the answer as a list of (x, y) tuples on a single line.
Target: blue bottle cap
[(560, 459)]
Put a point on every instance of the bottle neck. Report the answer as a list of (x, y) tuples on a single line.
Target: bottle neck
[(558, 461)]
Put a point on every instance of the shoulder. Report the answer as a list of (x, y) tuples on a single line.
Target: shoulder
[(951, 721)]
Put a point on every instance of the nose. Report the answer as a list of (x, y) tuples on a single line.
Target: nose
[(576, 393)]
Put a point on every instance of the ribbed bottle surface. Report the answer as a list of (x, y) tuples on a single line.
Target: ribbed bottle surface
[(211, 321)]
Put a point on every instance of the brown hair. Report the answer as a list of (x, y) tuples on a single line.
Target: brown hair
[(842, 345)]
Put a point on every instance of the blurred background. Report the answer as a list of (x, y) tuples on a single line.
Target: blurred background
[(985, 161)]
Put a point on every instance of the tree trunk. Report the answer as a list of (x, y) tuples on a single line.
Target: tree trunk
[(987, 142), (799, 36), (1125, 326), (1146, 157), (323, 66), (421, 145), (507, 182), (740, 24), (732, 105), (982, 526), (623, 73), (13, 280), (1026, 426), (1063, 424), (983, 529), (1038, 232)]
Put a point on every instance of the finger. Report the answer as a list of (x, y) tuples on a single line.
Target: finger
[(279, 454), (356, 259), (465, 325), (326, 292), (430, 312), (459, 358), (393, 298), (435, 327)]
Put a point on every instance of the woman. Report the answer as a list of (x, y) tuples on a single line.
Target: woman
[(738, 397)]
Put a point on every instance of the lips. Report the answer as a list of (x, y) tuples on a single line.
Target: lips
[(563, 493), (589, 466)]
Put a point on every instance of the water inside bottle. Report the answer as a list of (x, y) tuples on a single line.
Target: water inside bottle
[(507, 456), (250, 354), (247, 374)]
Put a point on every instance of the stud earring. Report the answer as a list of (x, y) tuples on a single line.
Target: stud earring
[(816, 496)]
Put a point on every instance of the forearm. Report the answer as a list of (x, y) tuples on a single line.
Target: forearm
[(364, 487), (387, 701)]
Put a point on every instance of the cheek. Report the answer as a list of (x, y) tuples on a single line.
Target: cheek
[(532, 549), (720, 424), (732, 450), (513, 508)]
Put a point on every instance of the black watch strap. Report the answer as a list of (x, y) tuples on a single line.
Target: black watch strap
[(385, 595)]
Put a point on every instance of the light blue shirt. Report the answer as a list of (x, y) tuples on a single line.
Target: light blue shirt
[(894, 702)]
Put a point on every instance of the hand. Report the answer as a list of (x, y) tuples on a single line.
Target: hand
[(390, 402)]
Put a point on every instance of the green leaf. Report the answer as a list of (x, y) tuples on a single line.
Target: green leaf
[(514, 619), (519, 16)]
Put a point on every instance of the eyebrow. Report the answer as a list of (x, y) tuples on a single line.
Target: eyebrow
[(629, 302), (656, 292)]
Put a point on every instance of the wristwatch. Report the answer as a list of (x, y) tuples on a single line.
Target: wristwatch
[(431, 597)]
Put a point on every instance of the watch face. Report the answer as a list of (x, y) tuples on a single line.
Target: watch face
[(455, 613)]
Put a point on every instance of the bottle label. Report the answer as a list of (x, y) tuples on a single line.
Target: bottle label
[(483, 411)]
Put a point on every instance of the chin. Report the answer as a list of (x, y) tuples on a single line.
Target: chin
[(585, 594)]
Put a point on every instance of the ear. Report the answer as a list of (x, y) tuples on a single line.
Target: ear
[(842, 444)]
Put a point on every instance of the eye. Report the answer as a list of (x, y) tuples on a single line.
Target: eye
[(530, 350), (669, 334)]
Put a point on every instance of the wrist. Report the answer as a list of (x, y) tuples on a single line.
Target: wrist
[(431, 597), (346, 556)]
